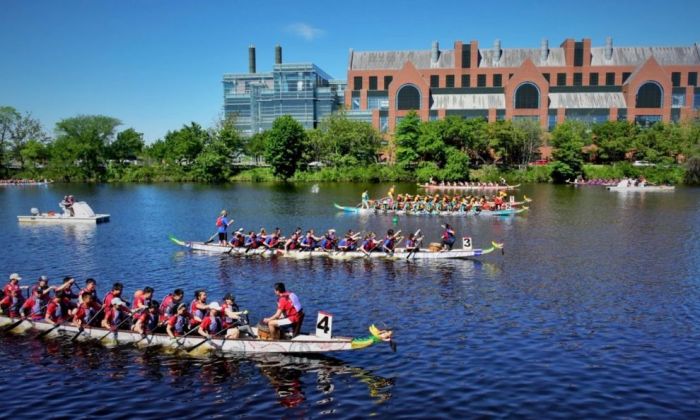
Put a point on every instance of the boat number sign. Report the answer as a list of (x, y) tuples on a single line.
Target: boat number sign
[(467, 243), (324, 325)]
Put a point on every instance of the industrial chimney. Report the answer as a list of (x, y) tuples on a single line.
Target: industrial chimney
[(544, 50), (278, 54), (434, 53), (608, 48), (251, 58)]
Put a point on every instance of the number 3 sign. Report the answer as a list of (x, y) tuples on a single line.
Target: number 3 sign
[(467, 243), (324, 325)]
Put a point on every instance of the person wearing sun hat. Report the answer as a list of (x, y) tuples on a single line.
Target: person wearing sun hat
[(222, 223), (12, 284), (116, 314)]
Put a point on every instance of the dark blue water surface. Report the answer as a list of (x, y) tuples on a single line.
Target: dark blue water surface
[(593, 311)]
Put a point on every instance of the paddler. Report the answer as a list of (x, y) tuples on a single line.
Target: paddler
[(90, 288), (142, 299), (12, 284), (116, 292), (115, 314), (12, 303), (413, 243), (365, 199), (168, 307), (286, 313), (56, 312), (448, 237), (238, 239), (390, 242), (211, 325), (293, 241), (329, 240), (222, 223), (147, 322), (33, 308), (177, 324), (86, 311), (198, 307), (368, 244), (234, 320), (273, 241)]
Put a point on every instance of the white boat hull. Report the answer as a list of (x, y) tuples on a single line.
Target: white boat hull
[(61, 218), (468, 187), (656, 188), (400, 253), (302, 343)]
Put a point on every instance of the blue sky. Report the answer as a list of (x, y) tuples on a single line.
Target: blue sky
[(157, 64)]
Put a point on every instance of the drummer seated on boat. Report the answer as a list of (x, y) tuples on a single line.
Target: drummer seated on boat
[(286, 314), (33, 308), (116, 314), (177, 324), (211, 325), (148, 321), (86, 311), (12, 303), (168, 307)]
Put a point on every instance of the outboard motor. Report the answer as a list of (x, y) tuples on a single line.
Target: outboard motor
[(34, 211)]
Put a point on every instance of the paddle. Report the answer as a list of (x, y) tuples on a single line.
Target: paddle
[(12, 326), (129, 316), (202, 342), (42, 334), (211, 238), (81, 329), (418, 242), (179, 344)]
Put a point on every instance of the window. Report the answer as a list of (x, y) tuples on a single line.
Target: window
[(372, 82), (357, 83), (434, 81), (546, 76), (481, 80), (677, 100), (383, 123), (649, 95), (377, 102), (647, 120), (466, 56), (408, 98), (676, 78), (609, 79), (693, 78), (578, 54), (527, 96), (497, 80), (561, 79), (578, 79), (625, 76), (552, 119), (355, 102), (466, 82), (387, 82), (449, 81), (696, 100), (593, 79)]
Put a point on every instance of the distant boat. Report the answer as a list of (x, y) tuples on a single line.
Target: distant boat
[(468, 187), (82, 213), (627, 185), (314, 189)]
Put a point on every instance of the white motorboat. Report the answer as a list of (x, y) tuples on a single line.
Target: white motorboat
[(82, 213), (630, 185)]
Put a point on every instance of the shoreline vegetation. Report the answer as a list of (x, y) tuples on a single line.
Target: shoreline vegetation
[(90, 148)]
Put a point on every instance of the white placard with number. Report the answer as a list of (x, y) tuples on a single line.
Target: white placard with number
[(324, 325), (467, 243), (512, 199)]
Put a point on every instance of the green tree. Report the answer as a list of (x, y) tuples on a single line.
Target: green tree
[(286, 144), (475, 133), (35, 153), (406, 138), (255, 145), (184, 145), (340, 137), (16, 130), (128, 145), (614, 139), (456, 167), (431, 147), (225, 131), (507, 141), (79, 149), (531, 132), (569, 138)]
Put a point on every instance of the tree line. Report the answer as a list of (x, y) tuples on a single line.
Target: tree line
[(91, 148)]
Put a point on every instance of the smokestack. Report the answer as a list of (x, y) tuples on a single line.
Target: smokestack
[(497, 47), (608, 48), (435, 53), (544, 49), (251, 58), (278, 54)]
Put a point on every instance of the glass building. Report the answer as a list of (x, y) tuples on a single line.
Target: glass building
[(301, 90)]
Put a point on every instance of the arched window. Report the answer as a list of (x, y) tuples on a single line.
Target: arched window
[(408, 98), (527, 97), (650, 95)]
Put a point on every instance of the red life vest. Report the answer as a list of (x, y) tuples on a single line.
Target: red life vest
[(219, 221)]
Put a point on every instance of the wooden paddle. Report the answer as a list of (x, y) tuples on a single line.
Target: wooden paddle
[(12, 326), (129, 316), (81, 329), (42, 334), (203, 341), (418, 242)]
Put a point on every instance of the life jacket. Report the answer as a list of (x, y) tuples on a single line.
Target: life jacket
[(448, 235), (410, 243), (115, 317), (214, 325), (37, 311), (389, 242), (196, 312), (167, 307), (219, 221), (88, 313), (15, 305), (151, 322), (57, 312), (93, 293), (228, 321), (180, 322)]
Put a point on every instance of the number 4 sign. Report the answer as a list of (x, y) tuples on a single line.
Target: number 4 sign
[(324, 325)]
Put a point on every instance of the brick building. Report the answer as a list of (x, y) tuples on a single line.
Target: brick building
[(572, 81)]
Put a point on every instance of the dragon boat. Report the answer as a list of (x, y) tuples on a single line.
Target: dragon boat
[(302, 343), (374, 210), (468, 187), (399, 253)]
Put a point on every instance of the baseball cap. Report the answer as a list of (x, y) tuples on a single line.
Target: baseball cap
[(15, 276)]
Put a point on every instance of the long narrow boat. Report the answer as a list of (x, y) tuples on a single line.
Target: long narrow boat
[(650, 188), (504, 212), (399, 253), (303, 343), (468, 187)]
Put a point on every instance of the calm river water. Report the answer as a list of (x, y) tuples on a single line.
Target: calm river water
[(593, 311)]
